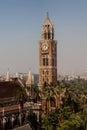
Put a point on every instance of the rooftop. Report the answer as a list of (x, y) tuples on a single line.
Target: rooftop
[(25, 127), (8, 89)]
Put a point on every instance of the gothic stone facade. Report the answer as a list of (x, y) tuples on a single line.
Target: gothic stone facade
[(47, 54)]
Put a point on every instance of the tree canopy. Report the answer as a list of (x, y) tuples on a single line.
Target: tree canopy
[(72, 114)]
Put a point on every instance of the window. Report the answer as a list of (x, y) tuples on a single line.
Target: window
[(48, 35), (52, 36), (44, 35), (45, 60), (53, 62), (47, 72), (52, 102)]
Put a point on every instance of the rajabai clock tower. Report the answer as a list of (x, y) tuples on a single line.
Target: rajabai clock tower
[(47, 54)]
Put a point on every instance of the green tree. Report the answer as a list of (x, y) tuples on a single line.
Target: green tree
[(65, 112), (65, 125), (72, 114), (84, 117), (50, 121), (36, 94), (74, 123), (32, 118)]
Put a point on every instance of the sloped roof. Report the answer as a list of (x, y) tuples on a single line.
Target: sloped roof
[(25, 127), (8, 89)]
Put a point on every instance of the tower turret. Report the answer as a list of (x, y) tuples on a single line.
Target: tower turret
[(29, 83)]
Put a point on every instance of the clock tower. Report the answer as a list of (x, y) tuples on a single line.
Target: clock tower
[(47, 54)]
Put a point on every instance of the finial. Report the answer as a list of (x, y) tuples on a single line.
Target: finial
[(47, 15), (47, 21)]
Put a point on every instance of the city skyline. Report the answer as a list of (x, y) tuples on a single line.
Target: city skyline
[(20, 32)]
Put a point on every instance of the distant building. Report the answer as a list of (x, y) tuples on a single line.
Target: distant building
[(36, 79), (84, 75)]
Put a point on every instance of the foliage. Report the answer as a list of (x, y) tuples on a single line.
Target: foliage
[(73, 108), (36, 94), (65, 112), (51, 119), (84, 117), (32, 119), (21, 95)]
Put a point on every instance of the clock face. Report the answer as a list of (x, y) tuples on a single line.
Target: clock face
[(44, 47)]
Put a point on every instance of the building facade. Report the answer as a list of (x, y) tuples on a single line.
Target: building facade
[(47, 54), (14, 112)]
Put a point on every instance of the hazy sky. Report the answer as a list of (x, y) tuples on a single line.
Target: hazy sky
[(20, 31)]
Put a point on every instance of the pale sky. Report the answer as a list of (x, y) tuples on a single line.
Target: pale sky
[(20, 32)]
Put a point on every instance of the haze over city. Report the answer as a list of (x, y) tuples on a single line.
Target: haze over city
[(20, 32)]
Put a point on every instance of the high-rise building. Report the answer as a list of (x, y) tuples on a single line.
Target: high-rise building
[(47, 54)]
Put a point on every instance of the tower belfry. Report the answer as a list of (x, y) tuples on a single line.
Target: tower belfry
[(47, 29), (47, 54)]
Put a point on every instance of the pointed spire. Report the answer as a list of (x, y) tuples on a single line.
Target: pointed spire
[(8, 75), (32, 79), (47, 21), (29, 78), (47, 15)]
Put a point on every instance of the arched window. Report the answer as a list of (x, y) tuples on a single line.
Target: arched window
[(52, 102), (48, 35), (44, 35), (45, 60)]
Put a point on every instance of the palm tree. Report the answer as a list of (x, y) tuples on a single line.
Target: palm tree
[(36, 94), (59, 92), (21, 96)]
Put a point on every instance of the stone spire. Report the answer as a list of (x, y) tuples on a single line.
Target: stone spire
[(29, 83), (8, 76), (29, 79), (47, 20), (32, 79)]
